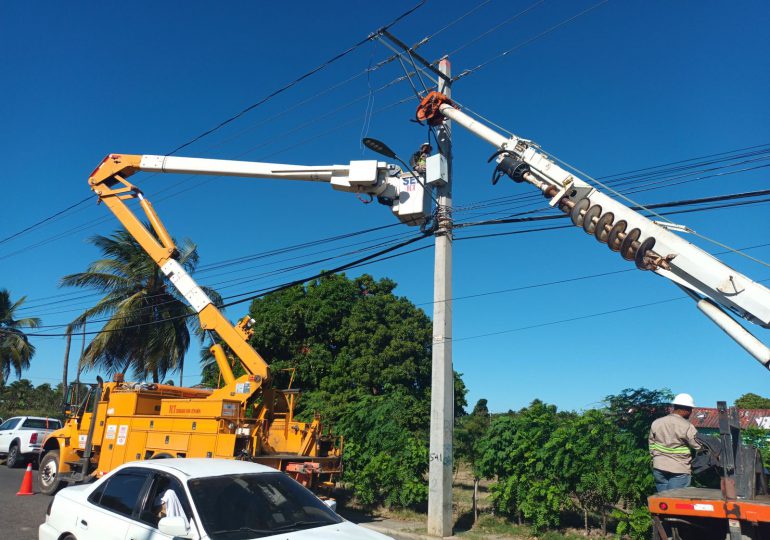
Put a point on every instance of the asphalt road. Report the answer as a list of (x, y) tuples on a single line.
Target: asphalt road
[(21, 516)]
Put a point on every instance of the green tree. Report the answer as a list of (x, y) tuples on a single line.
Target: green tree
[(634, 410), (359, 353), (752, 401), (15, 349), (513, 452), (591, 454), (148, 329), (469, 429), (386, 456), (22, 398)]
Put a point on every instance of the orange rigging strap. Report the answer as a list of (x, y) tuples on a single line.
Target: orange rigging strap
[(429, 109)]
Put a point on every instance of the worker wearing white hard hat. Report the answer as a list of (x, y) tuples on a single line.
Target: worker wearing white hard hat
[(672, 438), (419, 158)]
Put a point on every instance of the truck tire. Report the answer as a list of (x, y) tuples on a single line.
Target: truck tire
[(14, 458), (50, 480)]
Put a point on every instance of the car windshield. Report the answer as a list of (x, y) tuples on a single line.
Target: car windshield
[(41, 423), (241, 506)]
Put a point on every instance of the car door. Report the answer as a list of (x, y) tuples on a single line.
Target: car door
[(145, 526), (6, 434), (108, 513)]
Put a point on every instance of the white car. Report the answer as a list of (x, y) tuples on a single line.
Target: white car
[(194, 498), (21, 438)]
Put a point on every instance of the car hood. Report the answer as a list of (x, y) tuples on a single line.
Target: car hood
[(340, 531), (77, 492)]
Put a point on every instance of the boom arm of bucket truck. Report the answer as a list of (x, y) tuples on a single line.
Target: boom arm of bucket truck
[(109, 182), (651, 245)]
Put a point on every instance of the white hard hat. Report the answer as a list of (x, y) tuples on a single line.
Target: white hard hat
[(684, 400)]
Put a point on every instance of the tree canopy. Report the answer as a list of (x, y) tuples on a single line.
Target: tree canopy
[(15, 349), (752, 401), (148, 323), (362, 357)]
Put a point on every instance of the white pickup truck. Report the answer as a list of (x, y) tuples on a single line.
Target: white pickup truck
[(21, 438)]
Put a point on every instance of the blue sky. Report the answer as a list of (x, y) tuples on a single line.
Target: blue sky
[(625, 86)]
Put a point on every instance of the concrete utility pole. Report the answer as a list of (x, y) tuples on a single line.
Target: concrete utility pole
[(442, 383)]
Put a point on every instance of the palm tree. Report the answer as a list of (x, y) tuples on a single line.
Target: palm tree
[(15, 349), (149, 323)]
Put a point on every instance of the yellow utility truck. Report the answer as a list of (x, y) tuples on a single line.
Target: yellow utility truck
[(246, 418)]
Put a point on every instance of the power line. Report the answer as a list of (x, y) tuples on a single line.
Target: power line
[(569, 320), (671, 204), (271, 253), (251, 295), (573, 319), (296, 81), (540, 229), (355, 264), (528, 41), (44, 220), (496, 27)]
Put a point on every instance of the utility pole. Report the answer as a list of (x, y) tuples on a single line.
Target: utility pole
[(442, 382)]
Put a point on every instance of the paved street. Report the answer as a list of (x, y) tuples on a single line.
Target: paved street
[(20, 515)]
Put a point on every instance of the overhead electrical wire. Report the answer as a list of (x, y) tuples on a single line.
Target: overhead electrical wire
[(228, 263), (251, 295), (402, 101), (294, 82), (542, 34), (265, 99), (422, 42), (283, 111), (44, 220), (459, 238), (611, 179)]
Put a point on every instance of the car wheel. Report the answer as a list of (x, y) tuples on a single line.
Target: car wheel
[(50, 479), (69, 537), (14, 458)]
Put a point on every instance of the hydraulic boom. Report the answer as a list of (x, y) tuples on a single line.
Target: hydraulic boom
[(708, 281)]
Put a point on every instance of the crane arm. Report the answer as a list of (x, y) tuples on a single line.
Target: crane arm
[(712, 284), (109, 182)]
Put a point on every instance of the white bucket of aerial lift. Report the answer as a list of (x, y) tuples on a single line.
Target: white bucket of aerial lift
[(411, 204)]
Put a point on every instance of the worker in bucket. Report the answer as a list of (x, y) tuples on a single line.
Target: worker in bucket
[(672, 437), (419, 158)]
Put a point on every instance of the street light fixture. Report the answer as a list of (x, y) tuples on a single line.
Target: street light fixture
[(385, 150), (379, 147)]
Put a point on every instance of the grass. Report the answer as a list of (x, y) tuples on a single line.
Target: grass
[(488, 526)]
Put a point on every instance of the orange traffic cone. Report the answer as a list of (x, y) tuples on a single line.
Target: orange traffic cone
[(26, 484)]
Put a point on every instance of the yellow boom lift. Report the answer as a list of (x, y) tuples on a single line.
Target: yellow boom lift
[(119, 421)]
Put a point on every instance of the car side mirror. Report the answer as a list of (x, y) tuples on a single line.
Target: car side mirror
[(176, 526), (331, 503)]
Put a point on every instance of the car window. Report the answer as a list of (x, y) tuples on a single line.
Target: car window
[(240, 506), (153, 509), (10, 423), (41, 423), (121, 492)]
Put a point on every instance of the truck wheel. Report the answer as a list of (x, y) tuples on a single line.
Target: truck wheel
[(162, 455), (14, 457), (50, 480)]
